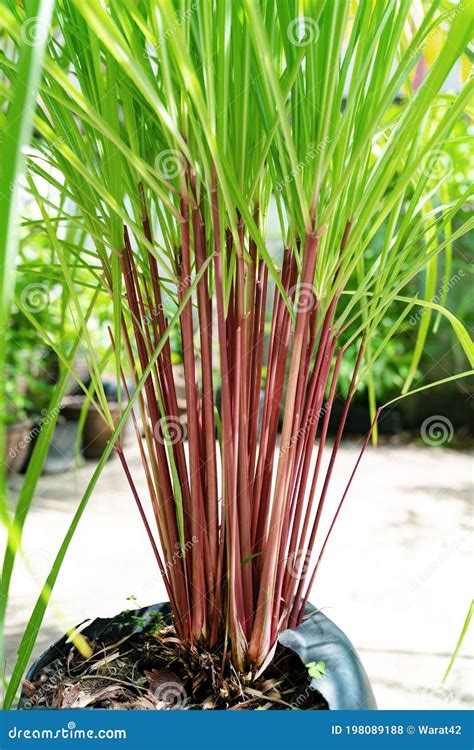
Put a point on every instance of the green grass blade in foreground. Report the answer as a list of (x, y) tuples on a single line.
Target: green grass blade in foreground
[(464, 630), (451, 378), (459, 329), (15, 134)]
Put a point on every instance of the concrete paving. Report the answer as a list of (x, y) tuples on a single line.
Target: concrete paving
[(396, 576)]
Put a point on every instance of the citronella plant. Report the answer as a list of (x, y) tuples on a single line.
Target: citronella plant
[(174, 128)]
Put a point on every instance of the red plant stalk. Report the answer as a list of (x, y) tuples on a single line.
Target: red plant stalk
[(228, 448), (207, 407), (260, 642), (120, 453), (301, 429), (165, 493), (240, 419), (257, 361), (289, 552), (201, 563), (237, 600), (164, 365), (337, 441), (152, 403), (299, 551), (277, 358)]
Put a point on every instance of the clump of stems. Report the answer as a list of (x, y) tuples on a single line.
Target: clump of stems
[(244, 513)]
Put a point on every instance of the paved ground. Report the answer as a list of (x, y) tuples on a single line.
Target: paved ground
[(396, 576)]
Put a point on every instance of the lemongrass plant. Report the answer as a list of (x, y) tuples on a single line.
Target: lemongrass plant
[(170, 130)]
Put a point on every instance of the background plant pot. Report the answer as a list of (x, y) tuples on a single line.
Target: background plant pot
[(17, 446), (344, 685), (359, 420), (62, 449), (96, 432)]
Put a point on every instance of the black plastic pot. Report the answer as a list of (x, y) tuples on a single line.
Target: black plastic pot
[(358, 420), (96, 433), (344, 685)]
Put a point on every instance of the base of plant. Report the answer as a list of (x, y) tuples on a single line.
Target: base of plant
[(155, 670), (137, 662)]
